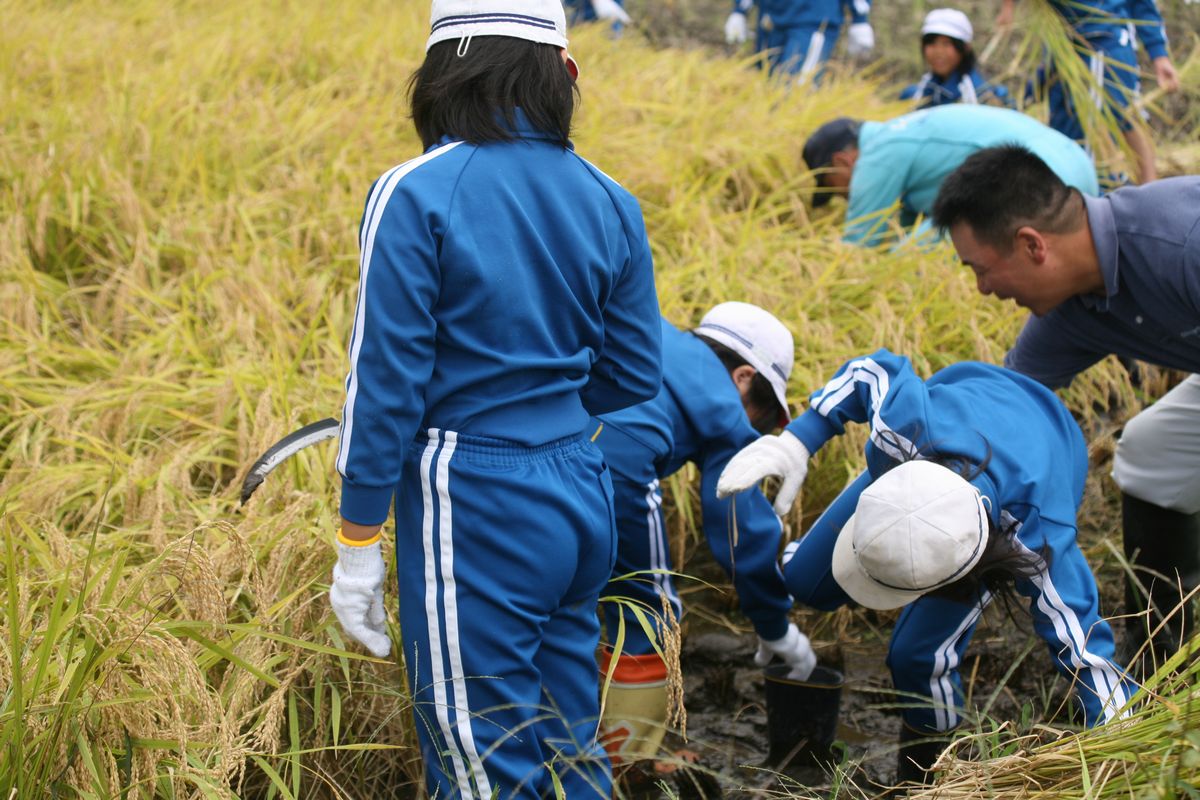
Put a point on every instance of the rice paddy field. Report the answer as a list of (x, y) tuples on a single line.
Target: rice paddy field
[(180, 189)]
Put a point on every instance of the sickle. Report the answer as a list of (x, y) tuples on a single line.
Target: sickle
[(286, 447)]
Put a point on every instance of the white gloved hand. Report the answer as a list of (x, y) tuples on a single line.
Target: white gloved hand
[(860, 39), (735, 28), (611, 10), (793, 649), (783, 456), (356, 595)]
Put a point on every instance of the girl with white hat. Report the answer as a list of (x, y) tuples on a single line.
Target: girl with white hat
[(973, 481), (506, 295), (952, 76)]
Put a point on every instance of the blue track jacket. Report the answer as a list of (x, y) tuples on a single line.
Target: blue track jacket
[(1034, 481), (791, 13), (698, 417), (505, 290), (1101, 20), (971, 88)]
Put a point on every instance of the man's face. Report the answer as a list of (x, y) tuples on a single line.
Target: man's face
[(1018, 275), (841, 170)]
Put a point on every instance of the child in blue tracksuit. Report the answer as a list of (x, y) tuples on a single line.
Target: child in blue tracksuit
[(952, 77), (799, 35), (506, 296), (1026, 462), (1109, 30), (723, 383)]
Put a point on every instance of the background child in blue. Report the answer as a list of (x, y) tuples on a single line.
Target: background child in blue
[(799, 35), (506, 295), (724, 383), (1107, 30), (582, 11), (1022, 461), (952, 77)]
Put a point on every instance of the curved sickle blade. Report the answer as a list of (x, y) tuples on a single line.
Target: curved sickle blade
[(288, 446)]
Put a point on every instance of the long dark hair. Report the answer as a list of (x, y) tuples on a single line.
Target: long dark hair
[(474, 96), (1004, 558), (964, 50)]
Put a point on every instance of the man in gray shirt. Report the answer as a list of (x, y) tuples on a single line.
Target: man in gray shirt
[(1118, 274)]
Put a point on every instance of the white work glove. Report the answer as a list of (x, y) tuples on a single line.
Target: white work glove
[(783, 456), (356, 595), (735, 28), (860, 39), (793, 649), (610, 10)]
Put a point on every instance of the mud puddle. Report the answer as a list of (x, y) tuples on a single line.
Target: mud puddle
[(1007, 676)]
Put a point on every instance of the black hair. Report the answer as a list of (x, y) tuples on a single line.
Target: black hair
[(964, 50), (761, 394), (998, 190), (471, 96), (1004, 558)]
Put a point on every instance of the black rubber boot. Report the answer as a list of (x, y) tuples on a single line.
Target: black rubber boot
[(802, 716), (918, 752), (1163, 548)]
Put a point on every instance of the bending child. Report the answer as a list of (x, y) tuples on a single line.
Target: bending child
[(973, 481)]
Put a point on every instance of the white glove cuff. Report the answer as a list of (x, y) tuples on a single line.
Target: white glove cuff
[(360, 561), (797, 453), (788, 641)]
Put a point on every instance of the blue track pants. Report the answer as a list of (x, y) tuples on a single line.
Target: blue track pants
[(932, 633), (1114, 68), (501, 554), (643, 563), (798, 50)]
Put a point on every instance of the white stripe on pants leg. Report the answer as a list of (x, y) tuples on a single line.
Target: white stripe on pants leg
[(812, 58), (945, 659), (432, 616), (658, 542), (450, 602)]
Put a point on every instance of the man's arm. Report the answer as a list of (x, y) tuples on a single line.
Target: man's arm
[(875, 187), (1046, 352)]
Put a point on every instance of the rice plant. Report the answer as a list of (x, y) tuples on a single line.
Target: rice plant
[(180, 187)]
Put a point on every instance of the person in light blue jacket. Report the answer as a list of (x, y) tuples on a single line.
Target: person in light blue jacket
[(974, 478), (904, 160), (506, 296), (953, 76), (724, 384), (798, 36)]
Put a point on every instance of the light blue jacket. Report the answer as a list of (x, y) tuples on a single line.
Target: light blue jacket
[(505, 290), (907, 158)]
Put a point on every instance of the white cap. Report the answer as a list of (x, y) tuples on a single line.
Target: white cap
[(948, 22), (542, 21), (757, 336), (918, 528)]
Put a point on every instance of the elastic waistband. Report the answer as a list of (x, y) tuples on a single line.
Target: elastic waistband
[(487, 449)]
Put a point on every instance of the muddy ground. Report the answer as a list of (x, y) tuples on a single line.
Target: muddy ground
[(1007, 672)]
